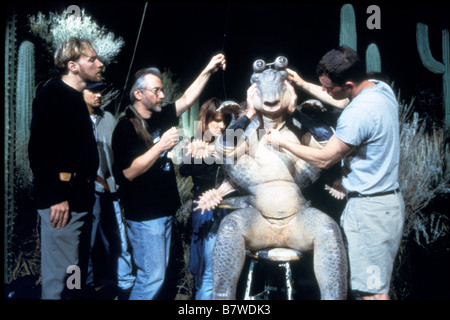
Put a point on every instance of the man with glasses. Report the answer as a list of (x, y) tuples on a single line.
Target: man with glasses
[(146, 177)]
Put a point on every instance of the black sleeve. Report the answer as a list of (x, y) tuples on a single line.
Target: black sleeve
[(318, 128), (46, 148), (193, 167), (238, 126), (169, 116), (124, 148)]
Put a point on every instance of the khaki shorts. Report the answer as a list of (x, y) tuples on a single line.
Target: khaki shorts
[(373, 229)]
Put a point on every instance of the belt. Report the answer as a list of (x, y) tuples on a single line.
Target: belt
[(68, 176), (357, 194), (102, 182)]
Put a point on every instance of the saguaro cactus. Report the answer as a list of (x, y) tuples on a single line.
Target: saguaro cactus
[(348, 37), (188, 119), (373, 58), (423, 46), (347, 34), (25, 92)]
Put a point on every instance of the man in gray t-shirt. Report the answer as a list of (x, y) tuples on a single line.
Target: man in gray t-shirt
[(367, 142), (370, 122)]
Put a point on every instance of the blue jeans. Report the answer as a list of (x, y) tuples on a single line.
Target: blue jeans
[(125, 277), (107, 222), (150, 241), (205, 290), (204, 235)]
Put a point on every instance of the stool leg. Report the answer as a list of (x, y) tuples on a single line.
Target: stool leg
[(249, 280), (287, 267)]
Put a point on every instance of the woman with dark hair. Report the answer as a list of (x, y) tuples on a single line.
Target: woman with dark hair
[(205, 173)]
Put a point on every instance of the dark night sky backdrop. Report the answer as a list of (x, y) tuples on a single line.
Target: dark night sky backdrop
[(183, 36)]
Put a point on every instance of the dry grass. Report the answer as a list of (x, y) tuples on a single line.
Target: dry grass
[(424, 170), (424, 173)]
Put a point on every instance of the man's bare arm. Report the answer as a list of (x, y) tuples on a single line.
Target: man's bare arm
[(315, 90)]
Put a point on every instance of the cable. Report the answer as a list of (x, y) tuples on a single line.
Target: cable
[(134, 52), (223, 48)]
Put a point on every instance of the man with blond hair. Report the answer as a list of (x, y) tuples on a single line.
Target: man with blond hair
[(64, 160)]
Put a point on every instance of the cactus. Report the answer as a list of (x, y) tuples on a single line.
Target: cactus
[(347, 37), (172, 93), (10, 76), (373, 59), (347, 34), (25, 91), (423, 46), (188, 119)]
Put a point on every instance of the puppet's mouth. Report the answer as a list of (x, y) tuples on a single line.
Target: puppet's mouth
[(272, 106)]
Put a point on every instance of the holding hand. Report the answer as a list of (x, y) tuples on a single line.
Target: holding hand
[(293, 103), (199, 149), (273, 138), (251, 111), (295, 78), (217, 62), (169, 139)]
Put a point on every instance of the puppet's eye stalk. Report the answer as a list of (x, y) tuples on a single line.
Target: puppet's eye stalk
[(281, 63), (259, 65)]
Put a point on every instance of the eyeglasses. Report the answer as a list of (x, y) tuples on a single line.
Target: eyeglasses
[(156, 91)]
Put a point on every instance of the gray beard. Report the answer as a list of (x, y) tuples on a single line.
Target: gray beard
[(154, 108)]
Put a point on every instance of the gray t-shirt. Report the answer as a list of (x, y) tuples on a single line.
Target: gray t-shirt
[(370, 122)]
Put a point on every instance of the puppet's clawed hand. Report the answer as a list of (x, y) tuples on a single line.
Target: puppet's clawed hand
[(337, 190), (208, 200), (199, 149)]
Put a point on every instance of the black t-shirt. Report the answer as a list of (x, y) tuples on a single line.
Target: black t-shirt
[(62, 140), (154, 194)]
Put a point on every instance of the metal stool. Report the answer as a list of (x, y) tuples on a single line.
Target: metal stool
[(281, 256)]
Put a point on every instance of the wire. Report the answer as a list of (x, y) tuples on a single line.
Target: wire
[(223, 48), (134, 52), (226, 26)]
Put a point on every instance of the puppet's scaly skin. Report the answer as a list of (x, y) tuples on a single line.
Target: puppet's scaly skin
[(278, 215)]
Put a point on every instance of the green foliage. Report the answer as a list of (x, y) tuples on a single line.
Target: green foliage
[(423, 46)]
